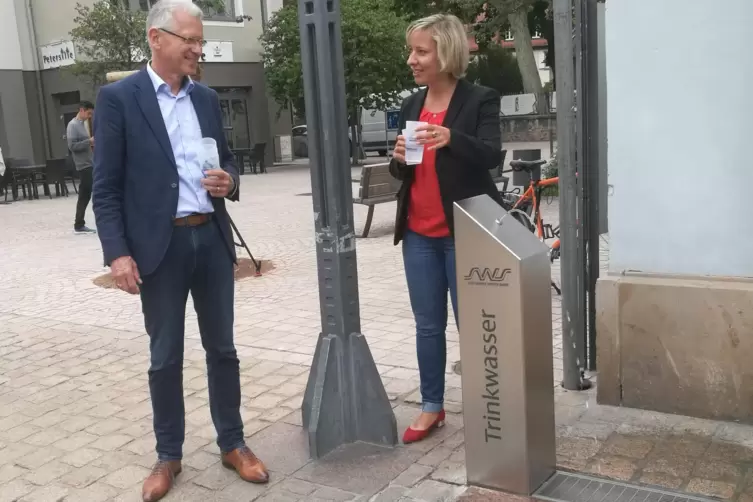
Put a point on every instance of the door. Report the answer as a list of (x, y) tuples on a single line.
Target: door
[(66, 104), (235, 122), (66, 118)]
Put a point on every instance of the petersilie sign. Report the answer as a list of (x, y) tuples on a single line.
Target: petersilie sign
[(57, 55)]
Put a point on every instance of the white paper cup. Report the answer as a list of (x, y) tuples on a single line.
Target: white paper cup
[(414, 153), (209, 156)]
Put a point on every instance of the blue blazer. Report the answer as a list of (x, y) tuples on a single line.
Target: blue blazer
[(135, 190)]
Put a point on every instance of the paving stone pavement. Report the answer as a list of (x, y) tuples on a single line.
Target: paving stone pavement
[(75, 416)]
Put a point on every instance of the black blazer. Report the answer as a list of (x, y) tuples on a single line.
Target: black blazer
[(463, 165)]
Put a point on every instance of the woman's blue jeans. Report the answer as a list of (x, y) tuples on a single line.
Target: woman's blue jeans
[(430, 271)]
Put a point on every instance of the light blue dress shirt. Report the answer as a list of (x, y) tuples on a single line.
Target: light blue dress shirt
[(184, 132)]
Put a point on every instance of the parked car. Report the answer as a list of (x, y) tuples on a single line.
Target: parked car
[(300, 141), (378, 131), (380, 127)]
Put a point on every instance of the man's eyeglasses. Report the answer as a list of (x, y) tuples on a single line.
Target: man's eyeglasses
[(190, 41)]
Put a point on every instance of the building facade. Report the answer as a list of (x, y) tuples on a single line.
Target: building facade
[(675, 312), (38, 95)]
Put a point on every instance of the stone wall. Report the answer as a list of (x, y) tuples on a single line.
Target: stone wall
[(677, 345), (528, 128)]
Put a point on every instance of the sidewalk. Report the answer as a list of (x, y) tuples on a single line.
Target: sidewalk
[(75, 416)]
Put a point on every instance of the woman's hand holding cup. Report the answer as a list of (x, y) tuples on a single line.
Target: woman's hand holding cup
[(399, 152)]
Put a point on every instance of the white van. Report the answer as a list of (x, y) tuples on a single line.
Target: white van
[(380, 127)]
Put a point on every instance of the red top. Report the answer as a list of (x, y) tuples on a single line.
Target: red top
[(425, 211)]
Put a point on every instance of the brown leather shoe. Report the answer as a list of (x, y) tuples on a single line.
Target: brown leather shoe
[(160, 480), (249, 467)]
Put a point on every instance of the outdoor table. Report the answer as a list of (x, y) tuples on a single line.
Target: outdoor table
[(28, 175), (240, 156)]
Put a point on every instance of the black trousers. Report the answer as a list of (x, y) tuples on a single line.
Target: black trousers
[(84, 196), (196, 262)]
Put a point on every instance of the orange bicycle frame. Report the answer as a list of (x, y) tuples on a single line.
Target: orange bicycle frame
[(530, 194)]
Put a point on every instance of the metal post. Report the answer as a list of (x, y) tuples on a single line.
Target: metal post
[(32, 27), (572, 326), (592, 157), (345, 400), (600, 74), (550, 125), (581, 163), (386, 132)]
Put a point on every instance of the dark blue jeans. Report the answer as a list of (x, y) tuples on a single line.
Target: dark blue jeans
[(196, 261), (430, 271)]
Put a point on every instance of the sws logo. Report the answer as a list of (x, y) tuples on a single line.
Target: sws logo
[(496, 277)]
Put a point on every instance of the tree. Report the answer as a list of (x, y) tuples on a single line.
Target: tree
[(374, 52), (496, 68), (489, 18), (109, 36), (415, 9), (517, 15), (540, 20), (493, 17)]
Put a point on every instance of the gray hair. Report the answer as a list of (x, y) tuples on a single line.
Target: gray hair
[(162, 13)]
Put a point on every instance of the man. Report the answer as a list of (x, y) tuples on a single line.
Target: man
[(81, 144), (165, 231)]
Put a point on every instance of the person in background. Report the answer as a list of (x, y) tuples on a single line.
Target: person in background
[(166, 233), (462, 142), (81, 146)]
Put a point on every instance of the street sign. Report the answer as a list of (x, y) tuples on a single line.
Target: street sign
[(393, 120)]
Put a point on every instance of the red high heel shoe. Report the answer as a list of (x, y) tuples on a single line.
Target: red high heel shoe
[(412, 435)]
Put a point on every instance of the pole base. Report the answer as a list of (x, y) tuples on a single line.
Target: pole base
[(345, 400), (583, 384)]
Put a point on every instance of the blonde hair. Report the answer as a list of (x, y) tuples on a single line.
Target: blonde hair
[(452, 41)]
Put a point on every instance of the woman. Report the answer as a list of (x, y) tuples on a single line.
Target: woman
[(461, 141)]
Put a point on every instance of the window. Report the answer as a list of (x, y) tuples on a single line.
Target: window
[(214, 10), (235, 123), (218, 10), (508, 35), (140, 4), (72, 98)]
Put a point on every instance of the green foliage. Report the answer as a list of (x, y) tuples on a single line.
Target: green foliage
[(540, 20), (488, 18), (416, 9), (496, 68), (109, 36), (551, 169), (374, 52)]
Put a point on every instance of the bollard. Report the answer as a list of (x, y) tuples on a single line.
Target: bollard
[(505, 311), (344, 400)]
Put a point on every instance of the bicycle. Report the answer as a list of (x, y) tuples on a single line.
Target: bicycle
[(526, 208)]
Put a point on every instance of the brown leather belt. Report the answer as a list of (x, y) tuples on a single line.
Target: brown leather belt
[(192, 220)]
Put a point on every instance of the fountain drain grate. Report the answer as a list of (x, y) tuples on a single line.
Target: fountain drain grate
[(569, 487)]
